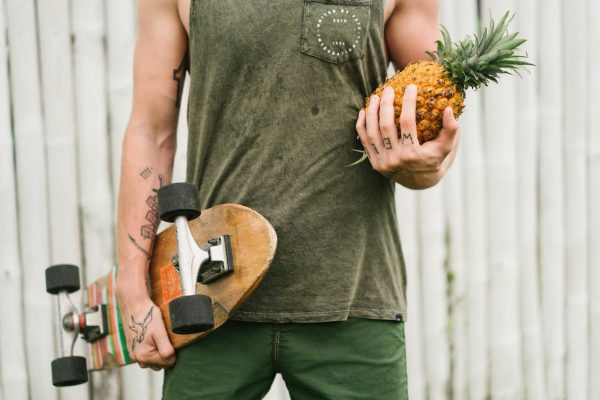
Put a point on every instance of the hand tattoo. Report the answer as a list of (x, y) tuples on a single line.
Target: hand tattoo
[(140, 329)]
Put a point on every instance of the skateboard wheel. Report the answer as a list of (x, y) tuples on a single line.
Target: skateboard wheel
[(62, 277), (69, 371), (178, 199), (191, 314)]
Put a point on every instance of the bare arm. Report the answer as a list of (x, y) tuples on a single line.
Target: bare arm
[(147, 162), (411, 30)]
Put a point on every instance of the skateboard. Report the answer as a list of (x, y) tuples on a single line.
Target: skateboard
[(201, 270)]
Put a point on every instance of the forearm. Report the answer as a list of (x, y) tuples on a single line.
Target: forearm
[(146, 165)]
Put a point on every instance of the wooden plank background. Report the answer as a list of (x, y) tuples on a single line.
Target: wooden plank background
[(502, 257)]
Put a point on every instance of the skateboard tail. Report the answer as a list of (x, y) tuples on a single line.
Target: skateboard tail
[(110, 351)]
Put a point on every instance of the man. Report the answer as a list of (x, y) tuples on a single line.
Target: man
[(276, 87)]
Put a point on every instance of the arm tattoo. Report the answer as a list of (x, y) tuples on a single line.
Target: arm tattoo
[(139, 328), (148, 231), (179, 77), (146, 173), (140, 248)]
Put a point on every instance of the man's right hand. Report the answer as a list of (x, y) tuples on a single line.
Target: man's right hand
[(145, 331)]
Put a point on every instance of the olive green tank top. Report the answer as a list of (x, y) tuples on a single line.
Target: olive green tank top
[(276, 86)]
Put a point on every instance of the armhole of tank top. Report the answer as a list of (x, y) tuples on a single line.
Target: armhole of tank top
[(191, 15)]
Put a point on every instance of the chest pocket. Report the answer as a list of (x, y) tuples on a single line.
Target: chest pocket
[(335, 30)]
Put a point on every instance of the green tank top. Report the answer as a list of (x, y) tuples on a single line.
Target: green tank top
[(276, 87)]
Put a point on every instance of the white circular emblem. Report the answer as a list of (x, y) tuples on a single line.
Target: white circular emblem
[(333, 28)]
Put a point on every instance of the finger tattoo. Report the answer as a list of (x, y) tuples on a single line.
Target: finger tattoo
[(388, 144), (375, 148), (406, 137)]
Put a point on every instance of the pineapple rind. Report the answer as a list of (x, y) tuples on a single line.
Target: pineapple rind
[(435, 91)]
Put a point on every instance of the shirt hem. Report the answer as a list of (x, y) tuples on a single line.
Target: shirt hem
[(319, 316)]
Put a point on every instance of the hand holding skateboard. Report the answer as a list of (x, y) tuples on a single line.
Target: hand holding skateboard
[(201, 270)]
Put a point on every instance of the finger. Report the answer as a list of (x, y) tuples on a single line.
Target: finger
[(387, 126), (449, 133), (374, 136), (361, 129), (165, 349), (408, 123), (152, 359)]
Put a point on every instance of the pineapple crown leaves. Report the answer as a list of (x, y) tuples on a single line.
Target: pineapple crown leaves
[(477, 60)]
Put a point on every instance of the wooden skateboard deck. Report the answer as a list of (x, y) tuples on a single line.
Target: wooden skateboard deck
[(253, 244)]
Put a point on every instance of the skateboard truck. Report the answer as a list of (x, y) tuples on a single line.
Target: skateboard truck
[(215, 259), (191, 313), (92, 323), (68, 369)]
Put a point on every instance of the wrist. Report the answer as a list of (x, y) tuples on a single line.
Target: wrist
[(131, 283)]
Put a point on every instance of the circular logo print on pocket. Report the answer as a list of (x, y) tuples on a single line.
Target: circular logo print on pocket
[(339, 32)]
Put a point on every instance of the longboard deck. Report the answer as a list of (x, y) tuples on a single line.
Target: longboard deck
[(253, 244)]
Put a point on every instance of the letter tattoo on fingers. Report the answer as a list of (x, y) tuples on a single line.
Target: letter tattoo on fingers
[(388, 144), (406, 137), (375, 148)]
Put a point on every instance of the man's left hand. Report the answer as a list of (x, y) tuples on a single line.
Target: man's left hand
[(398, 154)]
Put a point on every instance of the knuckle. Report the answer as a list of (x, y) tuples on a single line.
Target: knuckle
[(408, 158), (406, 122), (387, 126)]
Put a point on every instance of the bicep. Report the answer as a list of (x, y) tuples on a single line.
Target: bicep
[(159, 66), (411, 30)]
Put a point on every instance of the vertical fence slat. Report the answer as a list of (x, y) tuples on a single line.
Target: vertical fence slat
[(94, 159), (593, 105), (13, 373), (574, 135), (500, 145), (474, 170), (61, 150), (121, 35), (32, 193), (527, 164), (120, 41), (406, 210), (434, 286), (551, 196), (455, 261)]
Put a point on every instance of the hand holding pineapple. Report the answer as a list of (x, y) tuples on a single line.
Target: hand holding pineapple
[(441, 84), (396, 152)]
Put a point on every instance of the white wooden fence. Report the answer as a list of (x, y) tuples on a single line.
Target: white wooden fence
[(503, 256)]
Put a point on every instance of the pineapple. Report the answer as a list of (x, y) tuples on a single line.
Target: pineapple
[(454, 68)]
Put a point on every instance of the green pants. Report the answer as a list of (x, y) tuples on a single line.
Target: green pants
[(354, 359)]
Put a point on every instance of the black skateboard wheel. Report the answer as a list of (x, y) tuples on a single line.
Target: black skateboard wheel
[(178, 199), (62, 277), (69, 371), (191, 314)]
